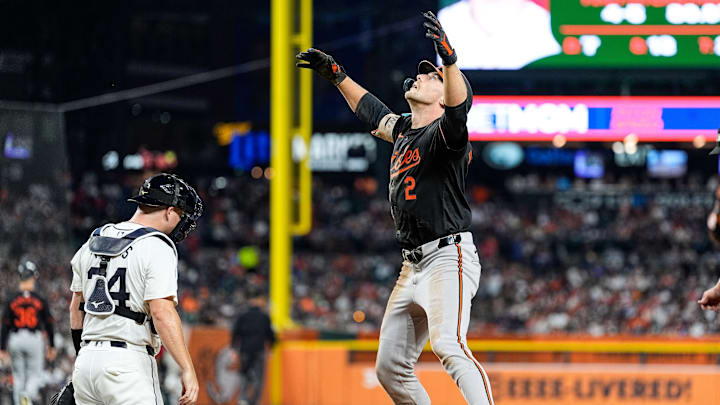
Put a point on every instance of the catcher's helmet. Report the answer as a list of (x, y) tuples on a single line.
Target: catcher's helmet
[(27, 269), (169, 190)]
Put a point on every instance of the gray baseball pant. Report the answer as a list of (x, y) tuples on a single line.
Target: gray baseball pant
[(27, 352), (431, 299)]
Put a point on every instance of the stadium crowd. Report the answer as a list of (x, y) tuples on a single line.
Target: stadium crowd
[(558, 256)]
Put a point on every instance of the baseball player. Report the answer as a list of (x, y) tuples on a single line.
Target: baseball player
[(441, 269), (124, 296), (711, 297), (26, 315)]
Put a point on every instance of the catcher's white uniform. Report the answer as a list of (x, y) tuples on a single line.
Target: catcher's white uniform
[(116, 364)]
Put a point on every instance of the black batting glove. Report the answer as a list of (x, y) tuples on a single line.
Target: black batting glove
[(437, 34), (322, 63)]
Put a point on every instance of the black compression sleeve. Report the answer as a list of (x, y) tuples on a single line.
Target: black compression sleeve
[(76, 338), (50, 329), (49, 323), (4, 333), (5, 328), (371, 111)]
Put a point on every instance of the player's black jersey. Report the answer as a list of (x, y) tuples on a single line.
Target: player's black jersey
[(26, 310), (427, 179)]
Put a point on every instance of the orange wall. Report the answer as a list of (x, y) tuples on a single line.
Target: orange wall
[(216, 367), (317, 373), (324, 376)]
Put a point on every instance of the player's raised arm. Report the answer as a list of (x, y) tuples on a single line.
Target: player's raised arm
[(364, 104), (457, 93), (454, 90)]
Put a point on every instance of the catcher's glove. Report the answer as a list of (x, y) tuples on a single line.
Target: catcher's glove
[(66, 396)]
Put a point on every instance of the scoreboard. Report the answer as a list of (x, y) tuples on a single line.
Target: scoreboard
[(518, 34), (635, 34)]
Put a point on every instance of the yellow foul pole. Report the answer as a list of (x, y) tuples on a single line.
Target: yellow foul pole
[(280, 125), (281, 64), (290, 119), (302, 40)]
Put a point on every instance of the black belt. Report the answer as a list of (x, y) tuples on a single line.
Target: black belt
[(416, 255), (115, 343)]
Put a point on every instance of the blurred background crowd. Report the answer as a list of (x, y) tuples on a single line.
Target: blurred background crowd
[(587, 257)]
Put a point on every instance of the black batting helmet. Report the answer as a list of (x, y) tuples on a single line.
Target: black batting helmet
[(169, 190)]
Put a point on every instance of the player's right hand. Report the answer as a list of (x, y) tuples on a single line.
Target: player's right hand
[(4, 357), (191, 388), (710, 299), (436, 32), (322, 63)]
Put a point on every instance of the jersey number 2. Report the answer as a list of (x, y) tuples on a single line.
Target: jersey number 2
[(121, 296), (409, 186)]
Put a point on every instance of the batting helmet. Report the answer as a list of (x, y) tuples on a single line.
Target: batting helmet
[(169, 190), (27, 269), (425, 67)]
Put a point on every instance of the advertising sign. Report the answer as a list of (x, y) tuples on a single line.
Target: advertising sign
[(327, 377), (579, 118)]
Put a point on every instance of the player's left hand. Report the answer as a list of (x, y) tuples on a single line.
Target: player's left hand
[(710, 299), (51, 353), (4, 357), (322, 63), (437, 34)]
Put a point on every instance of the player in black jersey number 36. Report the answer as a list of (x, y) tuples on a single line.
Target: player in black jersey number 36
[(441, 268)]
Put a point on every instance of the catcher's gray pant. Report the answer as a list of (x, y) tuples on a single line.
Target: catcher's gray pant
[(27, 352), (431, 299)]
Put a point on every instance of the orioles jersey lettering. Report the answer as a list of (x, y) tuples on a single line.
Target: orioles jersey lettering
[(406, 160)]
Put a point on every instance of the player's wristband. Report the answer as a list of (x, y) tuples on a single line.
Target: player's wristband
[(448, 60), (76, 338), (371, 111)]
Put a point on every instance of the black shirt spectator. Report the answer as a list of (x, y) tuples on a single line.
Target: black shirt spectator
[(252, 331)]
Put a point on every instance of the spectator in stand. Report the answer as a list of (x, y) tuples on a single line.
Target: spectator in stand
[(711, 297), (252, 335)]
